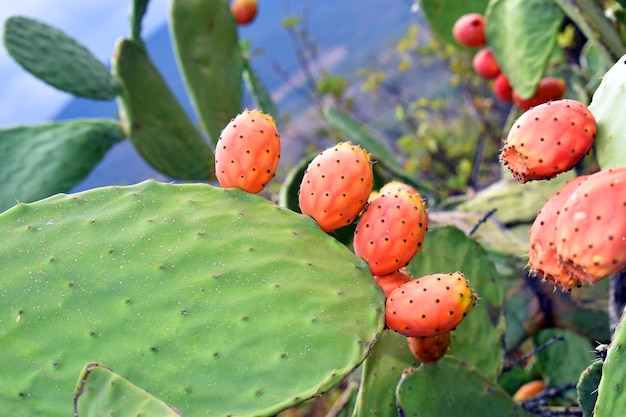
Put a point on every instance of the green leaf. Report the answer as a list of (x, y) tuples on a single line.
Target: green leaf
[(207, 49), (186, 290), (522, 35), (259, 92), (154, 120), (102, 392), (442, 14), (58, 59), (451, 387), (136, 16), (607, 101), (478, 338), (38, 161)]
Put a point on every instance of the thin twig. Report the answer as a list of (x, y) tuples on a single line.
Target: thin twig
[(482, 221), (512, 362)]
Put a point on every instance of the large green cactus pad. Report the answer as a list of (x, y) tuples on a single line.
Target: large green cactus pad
[(57, 59), (215, 301), (587, 388), (155, 122), (610, 96), (41, 160), (102, 392), (207, 49), (478, 338), (451, 387)]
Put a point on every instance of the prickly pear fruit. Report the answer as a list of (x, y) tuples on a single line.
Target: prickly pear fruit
[(336, 185), (542, 257), (430, 305), (392, 186), (548, 89), (529, 390), (247, 152), (469, 30), (590, 231), (244, 11), (391, 231), (429, 349), (548, 139), (502, 88), (390, 282), (485, 64)]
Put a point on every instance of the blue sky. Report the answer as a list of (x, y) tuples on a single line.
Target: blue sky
[(97, 24)]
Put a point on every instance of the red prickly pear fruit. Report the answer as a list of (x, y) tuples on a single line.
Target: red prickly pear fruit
[(390, 282), (391, 231), (485, 64), (429, 349), (590, 231), (502, 88), (548, 89), (430, 305), (336, 185), (542, 257), (244, 11), (529, 390), (469, 30), (247, 152), (548, 139)]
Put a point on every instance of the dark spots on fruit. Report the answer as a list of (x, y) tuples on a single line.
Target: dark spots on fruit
[(423, 316), (424, 289)]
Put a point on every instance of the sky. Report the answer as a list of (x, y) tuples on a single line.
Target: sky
[(97, 24)]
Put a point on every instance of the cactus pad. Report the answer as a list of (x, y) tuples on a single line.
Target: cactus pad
[(58, 59), (207, 49), (41, 160), (609, 144), (215, 301), (450, 387), (101, 392), (611, 390), (155, 122), (587, 388)]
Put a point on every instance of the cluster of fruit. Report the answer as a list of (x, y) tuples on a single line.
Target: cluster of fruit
[(336, 190), (469, 31), (579, 235)]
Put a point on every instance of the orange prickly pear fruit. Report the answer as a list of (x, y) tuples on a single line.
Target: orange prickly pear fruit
[(244, 11), (590, 234), (391, 231), (548, 139), (485, 64), (529, 390), (430, 305), (247, 152), (336, 185), (429, 349), (542, 257), (390, 282), (502, 88)]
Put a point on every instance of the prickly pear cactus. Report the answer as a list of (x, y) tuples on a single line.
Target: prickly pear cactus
[(207, 50), (459, 387), (215, 301), (587, 388), (58, 59), (100, 392), (153, 119), (610, 95), (611, 391)]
